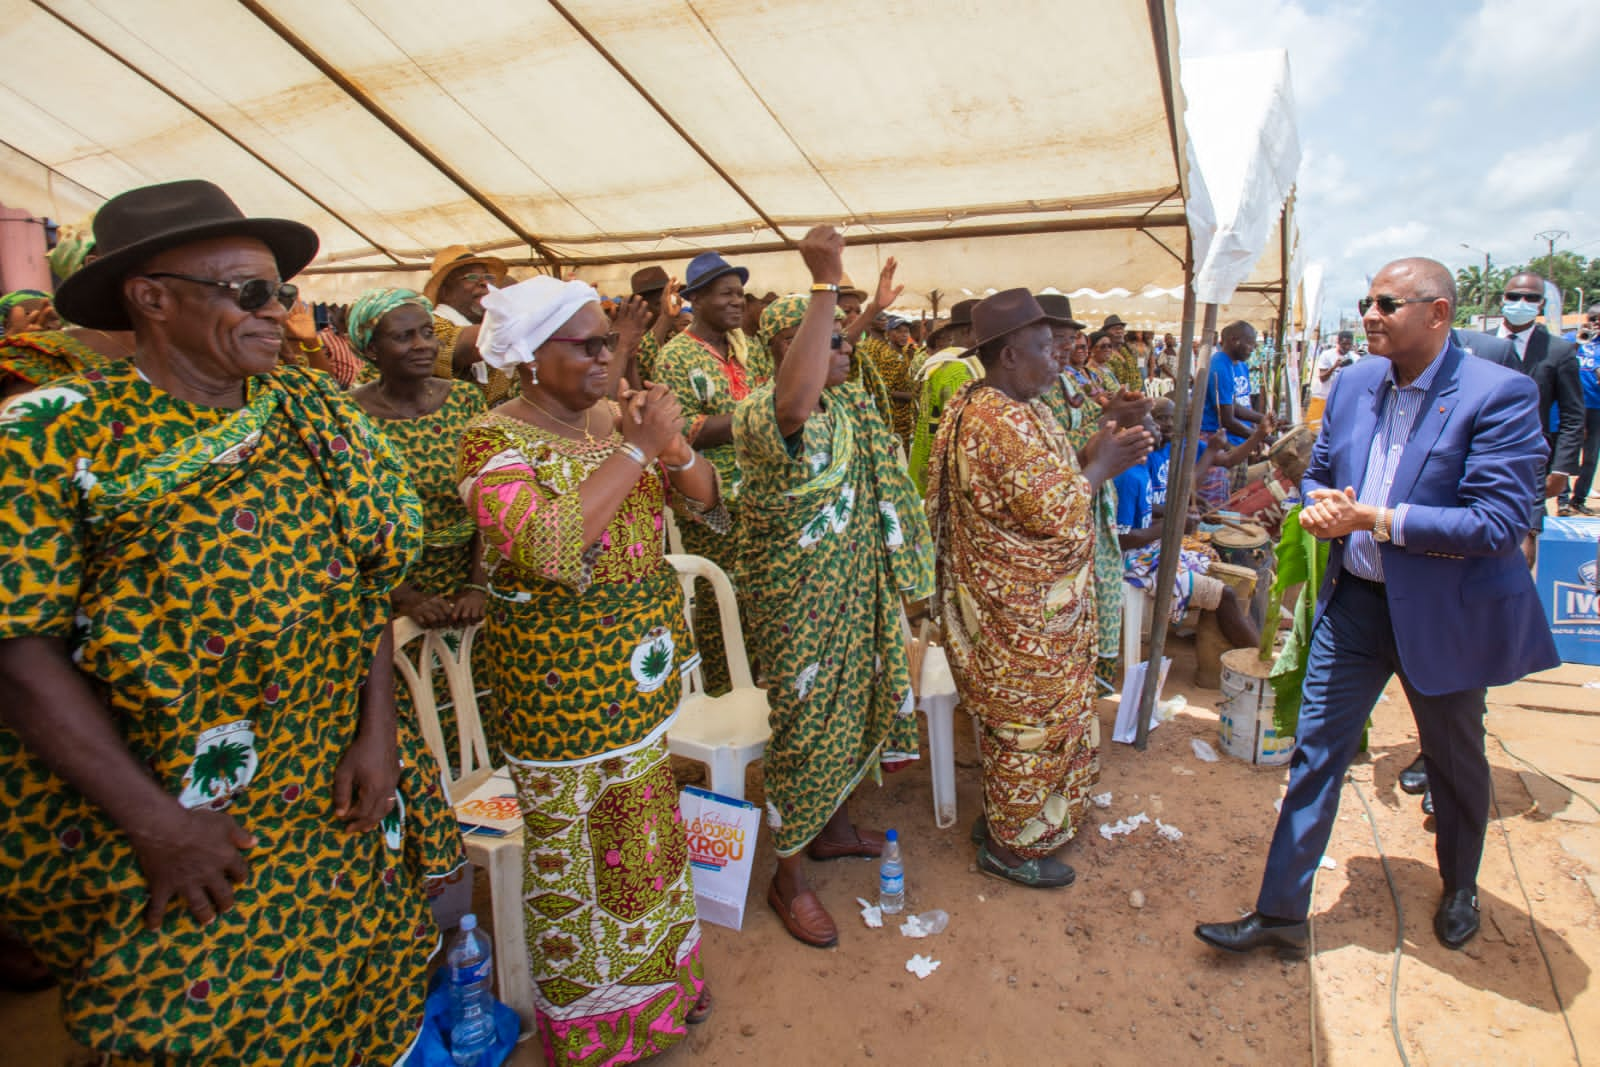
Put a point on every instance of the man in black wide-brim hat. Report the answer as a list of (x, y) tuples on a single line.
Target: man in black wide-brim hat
[(204, 804)]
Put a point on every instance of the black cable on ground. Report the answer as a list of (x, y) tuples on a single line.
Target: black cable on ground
[(1527, 901), (1399, 926)]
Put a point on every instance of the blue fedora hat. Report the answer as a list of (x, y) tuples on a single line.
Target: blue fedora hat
[(706, 268)]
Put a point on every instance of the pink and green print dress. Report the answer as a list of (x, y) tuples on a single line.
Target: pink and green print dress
[(584, 649)]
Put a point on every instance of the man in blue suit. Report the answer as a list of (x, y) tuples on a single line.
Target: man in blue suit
[(1423, 478)]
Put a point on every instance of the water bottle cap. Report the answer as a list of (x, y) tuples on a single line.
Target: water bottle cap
[(469, 921), (891, 836)]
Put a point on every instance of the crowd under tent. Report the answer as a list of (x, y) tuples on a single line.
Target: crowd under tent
[(593, 137)]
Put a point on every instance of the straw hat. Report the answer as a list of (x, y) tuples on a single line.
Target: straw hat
[(453, 258)]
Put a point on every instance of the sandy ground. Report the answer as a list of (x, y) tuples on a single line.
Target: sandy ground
[(1082, 975)]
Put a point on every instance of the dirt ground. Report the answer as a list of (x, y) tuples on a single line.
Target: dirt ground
[(1083, 975)]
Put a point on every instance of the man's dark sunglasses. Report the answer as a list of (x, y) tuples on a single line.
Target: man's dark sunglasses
[(1388, 305), (251, 295), (592, 345), (1526, 298)]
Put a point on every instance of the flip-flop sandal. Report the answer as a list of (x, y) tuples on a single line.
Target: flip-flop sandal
[(702, 1008), (823, 850), (1046, 873)]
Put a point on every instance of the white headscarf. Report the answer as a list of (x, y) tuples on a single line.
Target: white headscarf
[(520, 318)]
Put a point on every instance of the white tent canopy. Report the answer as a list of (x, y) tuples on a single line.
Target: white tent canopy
[(596, 135)]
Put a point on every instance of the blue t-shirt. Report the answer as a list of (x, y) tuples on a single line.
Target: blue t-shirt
[(1589, 372), (1133, 498), (1157, 463), (1242, 389), (1219, 391)]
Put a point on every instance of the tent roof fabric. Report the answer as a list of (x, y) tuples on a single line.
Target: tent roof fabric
[(599, 134)]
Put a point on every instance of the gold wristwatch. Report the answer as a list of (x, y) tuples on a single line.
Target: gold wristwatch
[(1380, 526)]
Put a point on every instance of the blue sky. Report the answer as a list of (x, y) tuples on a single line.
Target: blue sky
[(1425, 125)]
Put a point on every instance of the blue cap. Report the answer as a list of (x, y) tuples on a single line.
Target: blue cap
[(706, 268), (469, 921), (891, 836)]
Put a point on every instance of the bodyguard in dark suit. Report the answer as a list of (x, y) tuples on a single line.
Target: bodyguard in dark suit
[(1423, 478), (1487, 346), (1552, 363)]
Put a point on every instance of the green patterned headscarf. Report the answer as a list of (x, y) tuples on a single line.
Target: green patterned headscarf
[(784, 313), (69, 253), (370, 308)]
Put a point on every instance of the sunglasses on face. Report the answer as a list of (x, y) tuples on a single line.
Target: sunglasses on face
[(591, 345), (251, 295), (1523, 298), (1388, 305), (474, 278)]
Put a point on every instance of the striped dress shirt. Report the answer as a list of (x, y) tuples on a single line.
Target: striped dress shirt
[(1402, 404)]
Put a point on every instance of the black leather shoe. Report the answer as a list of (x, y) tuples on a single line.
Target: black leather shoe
[(1456, 921), (1252, 932), (1414, 779), (1427, 803)]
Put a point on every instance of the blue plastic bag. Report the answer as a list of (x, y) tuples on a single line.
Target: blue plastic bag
[(433, 1047)]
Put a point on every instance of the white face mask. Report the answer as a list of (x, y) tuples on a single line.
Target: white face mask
[(1519, 314)]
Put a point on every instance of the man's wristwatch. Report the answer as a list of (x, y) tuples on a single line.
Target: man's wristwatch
[(1380, 526)]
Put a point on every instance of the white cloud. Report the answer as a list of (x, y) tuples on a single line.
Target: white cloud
[(1400, 239), (1535, 176), (1539, 47), (1320, 45)]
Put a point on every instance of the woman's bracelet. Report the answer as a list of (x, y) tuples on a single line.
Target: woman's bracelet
[(694, 457), (824, 287), (316, 347), (633, 452), (475, 588)]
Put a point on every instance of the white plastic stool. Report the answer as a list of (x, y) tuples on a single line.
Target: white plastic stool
[(938, 702)]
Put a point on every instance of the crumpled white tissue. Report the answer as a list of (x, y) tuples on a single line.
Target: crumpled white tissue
[(1101, 800), (871, 914), (1168, 831), (1123, 826), (921, 965)]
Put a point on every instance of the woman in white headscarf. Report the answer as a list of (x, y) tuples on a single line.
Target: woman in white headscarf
[(583, 648)]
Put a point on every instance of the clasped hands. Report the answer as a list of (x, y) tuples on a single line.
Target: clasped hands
[(652, 422), (1332, 513)]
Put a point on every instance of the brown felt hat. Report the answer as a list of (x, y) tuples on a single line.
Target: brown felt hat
[(1005, 312), (648, 280), (135, 225)]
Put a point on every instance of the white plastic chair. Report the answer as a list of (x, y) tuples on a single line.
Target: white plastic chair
[(501, 857), (726, 733)]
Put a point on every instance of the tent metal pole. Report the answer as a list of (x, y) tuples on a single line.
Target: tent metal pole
[(393, 125), (666, 116), (1018, 229), (1177, 506), (214, 125)]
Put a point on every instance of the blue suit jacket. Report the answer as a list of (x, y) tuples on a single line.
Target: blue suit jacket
[(1461, 600)]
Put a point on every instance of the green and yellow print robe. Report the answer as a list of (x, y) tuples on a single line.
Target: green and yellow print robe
[(221, 579), (708, 385), (832, 536)]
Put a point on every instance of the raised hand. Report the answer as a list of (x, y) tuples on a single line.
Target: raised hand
[(888, 292), (823, 250), (301, 323), (671, 302), (633, 318)]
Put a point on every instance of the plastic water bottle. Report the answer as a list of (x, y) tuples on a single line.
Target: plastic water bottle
[(891, 877), (472, 1006)]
